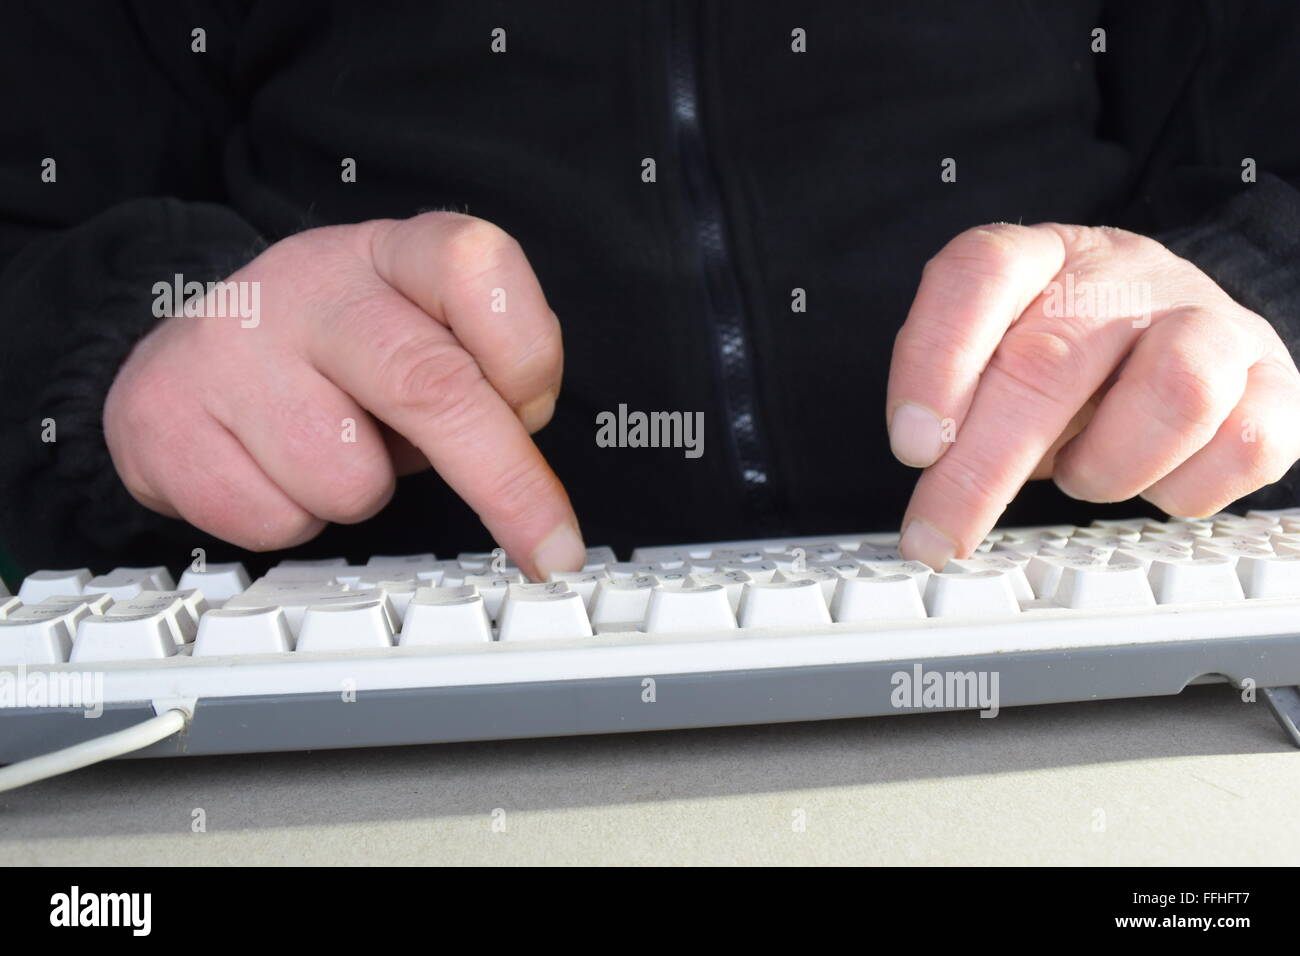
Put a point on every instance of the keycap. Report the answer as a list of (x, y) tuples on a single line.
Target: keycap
[(314, 563), (8, 604), (486, 562), (733, 582), (181, 609), (584, 582), (631, 569), (1043, 571), (454, 615), (126, 637), (870, 597), (218, 582), (239, 631), (543, 612), (493, 588), (123, 583), (970, 594), (1086, 585), (826, 580), (399, 595), (915, 571), (1113, 536), (759, 571), (1190, 581), (342, 627), (442, 574), (378, 577), (40, 633), (402, 562), (1269, 576), (1013, 567), (39, 585), (311, 573), (621, 601), (689, 609), (782, 603)]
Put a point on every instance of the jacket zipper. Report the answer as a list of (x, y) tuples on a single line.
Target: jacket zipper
[(723, 300)]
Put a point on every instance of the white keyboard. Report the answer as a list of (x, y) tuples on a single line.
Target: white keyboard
[(415, 648)]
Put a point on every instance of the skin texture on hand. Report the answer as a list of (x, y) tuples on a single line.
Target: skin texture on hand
[(1092, 356), (382, 348)]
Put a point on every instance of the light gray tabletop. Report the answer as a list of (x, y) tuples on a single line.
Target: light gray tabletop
[(1199, 778)]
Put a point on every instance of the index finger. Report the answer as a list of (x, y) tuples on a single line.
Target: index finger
[(411, 373), (969, 295)]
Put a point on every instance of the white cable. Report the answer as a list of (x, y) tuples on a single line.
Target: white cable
[(93, 751)]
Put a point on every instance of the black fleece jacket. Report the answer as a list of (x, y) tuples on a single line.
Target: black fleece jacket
[(776, 170)]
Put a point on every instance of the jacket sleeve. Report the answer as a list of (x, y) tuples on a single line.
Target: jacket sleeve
[(1206, 97), (109, 183)]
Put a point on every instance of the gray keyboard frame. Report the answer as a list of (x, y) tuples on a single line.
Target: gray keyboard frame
[(317, 721)]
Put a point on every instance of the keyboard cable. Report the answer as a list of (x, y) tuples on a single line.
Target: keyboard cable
[(84, 754)]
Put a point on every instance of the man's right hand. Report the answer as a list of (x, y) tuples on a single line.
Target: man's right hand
[(390, 325)]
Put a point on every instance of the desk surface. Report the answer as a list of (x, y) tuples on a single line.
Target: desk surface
[(1199, 778)]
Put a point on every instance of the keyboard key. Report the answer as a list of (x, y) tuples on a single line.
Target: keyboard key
[(218, 582), (760, 572), (1087, 585), (312, 573), (1269, 576), (343, 627), (1190, 581), (126, 637), (40, 633), (1043, 571), (783, 603), (1013, 567), (180, 608), (733, 582), (971, 594), (124, 583), (825, 579), (239, 631), (493, 588), (916, 571), (402, 562), (689, 609), (39, 585), (543, 612), (446, 616), (584, 582), (870, 597), (621, 601)]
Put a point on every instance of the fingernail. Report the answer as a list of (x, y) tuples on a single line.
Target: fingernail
[(915, 435), (561, 550), (921, 541), (538, 412)]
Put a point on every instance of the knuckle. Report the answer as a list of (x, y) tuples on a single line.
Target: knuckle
[(985, 252), (434, 376), (475, 247), (1042, 360), (543, 356), (1262, 462), (1183, 393), (358, 491), (521, 491)]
